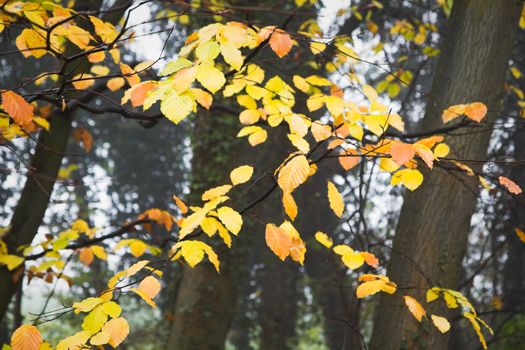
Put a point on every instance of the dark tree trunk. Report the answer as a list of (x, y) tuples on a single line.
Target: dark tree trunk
[(435, 219)]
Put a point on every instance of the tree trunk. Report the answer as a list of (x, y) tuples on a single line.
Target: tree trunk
[(41, 178), (206, 300), (435, 219), (514, 270), (327, 275), (35, 197)]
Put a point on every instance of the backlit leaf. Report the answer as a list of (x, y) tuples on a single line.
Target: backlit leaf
[(17, 108), (511, 186), (26, 337), (335, 199), (241, 174), (441, 323), (415, 307), (293, 173)]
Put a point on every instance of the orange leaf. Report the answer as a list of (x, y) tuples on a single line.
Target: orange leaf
[(370, 259), (86, 256), (281, 43), (520, 234), (17, 107), (278, 241), (26, 337), (350, 160), (150, 286), (512, 187), (84, 136), (402, 152), (140, 92), (476, 111)]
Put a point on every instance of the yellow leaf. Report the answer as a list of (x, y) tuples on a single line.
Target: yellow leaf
[(74, 342), (353, 260), (290, 207), (432, 295), (232, 55), (414, 307), (370, 92), (210, 77), (321, 132), (99, 70), (441, 323), (144, 297), (207, 51), (100, 338), (12, 261), (323, 238), (336, 199), (87, 305), (215, 192), (241, 174), (26, 337), (410, 178), (278, 241), (31, 43), (176, 107), (193, 252), (82, 81), (293, 173), (112, 309), (230, 218), (369, 288), (94, 321), (441, 150), (118, 330)]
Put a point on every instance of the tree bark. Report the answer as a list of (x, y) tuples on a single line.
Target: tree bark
[(434, 222), (206, 301), (326, 274), (43, 171)]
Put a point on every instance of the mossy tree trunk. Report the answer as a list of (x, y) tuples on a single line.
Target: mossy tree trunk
[(435, 219)]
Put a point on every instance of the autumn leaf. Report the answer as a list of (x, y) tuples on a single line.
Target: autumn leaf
[(520, 234), (415, 307), (511, 186), (290, 207), (26, 337), (441, 323), (293, 173), (323, 238), (280, 42), (230, 218), (402, 152), (118, 330), (371, 284), (241, 174), (150, 286), (82, 135), (335, 199), (476, 111), (278, 241), (410, 178), (17, 108)]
